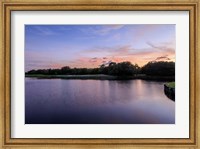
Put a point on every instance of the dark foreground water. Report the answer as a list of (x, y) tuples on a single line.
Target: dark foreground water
[(58, 101)]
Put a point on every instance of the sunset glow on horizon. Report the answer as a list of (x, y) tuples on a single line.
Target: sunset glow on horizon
[(89, 46)]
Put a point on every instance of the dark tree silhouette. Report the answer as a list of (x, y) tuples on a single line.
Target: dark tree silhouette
[(117, 69), (159, 69), (65, 70)]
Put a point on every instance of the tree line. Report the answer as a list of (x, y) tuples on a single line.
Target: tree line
[(161, 68)]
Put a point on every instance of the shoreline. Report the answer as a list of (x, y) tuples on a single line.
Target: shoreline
[(169, 91), (101, 77)]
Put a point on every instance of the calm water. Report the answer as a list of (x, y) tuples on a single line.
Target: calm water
[(58, 101)]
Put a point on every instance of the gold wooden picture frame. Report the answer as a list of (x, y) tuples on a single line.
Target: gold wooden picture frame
[(99, 5)]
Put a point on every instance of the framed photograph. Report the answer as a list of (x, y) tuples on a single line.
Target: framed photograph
[(100, 74)]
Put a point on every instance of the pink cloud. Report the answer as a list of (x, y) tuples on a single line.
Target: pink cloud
[(94, 57), (127, 53)]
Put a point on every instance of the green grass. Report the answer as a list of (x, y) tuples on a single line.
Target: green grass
[(102, 77), (171, 84)]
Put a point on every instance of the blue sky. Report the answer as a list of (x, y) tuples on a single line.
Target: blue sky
[(55, 46)]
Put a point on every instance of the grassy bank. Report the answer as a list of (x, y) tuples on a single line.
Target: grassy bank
[(171, 84), (169, 89), (102, 77)]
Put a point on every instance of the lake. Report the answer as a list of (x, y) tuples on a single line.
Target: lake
[(60, 101)]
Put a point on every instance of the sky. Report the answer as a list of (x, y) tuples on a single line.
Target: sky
[(89, 46)]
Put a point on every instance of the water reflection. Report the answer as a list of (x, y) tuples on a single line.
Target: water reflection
[(57, 101)]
